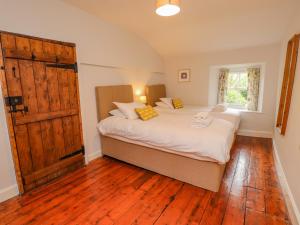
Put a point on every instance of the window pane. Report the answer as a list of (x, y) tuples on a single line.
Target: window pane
[(237, 89)]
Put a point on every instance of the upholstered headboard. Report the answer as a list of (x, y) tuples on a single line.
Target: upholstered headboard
[(154, 92), (106, 95)]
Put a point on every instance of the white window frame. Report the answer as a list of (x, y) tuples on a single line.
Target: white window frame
[(214, 81)]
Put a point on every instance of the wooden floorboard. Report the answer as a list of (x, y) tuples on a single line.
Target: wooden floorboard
[(108, 191)]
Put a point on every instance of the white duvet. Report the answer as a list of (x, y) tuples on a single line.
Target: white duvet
[(174, 132), (231, 115)]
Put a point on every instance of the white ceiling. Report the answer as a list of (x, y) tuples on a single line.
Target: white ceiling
[(201, 26)]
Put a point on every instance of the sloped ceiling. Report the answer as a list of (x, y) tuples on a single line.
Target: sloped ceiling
[(201, 26)]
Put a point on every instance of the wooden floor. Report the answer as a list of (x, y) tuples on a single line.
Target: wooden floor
[(110, 192)]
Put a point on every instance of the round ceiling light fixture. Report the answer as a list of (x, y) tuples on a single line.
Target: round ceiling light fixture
[(167, 7)]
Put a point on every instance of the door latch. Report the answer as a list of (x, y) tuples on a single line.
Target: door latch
[(13, 102)]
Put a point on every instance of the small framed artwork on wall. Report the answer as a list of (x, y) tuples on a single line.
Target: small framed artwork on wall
[(184, 75)]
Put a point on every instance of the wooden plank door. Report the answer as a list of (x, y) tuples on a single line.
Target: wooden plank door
[(47, 125)]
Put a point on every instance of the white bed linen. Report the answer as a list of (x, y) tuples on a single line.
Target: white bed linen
[(186, 154), (231, 115), (174, 132)]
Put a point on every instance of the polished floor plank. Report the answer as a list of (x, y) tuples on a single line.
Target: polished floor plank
[(110, 192), (56, 198)]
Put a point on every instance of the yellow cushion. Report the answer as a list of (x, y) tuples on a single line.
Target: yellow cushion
[(146, 113), (177, 103)]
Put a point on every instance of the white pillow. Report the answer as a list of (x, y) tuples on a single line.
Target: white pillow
[(162, 104), (167, 101), (128, 109), (117, 112), (219, 108)]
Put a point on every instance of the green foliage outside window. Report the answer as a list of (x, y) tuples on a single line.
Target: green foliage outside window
[(235, 97), (237, 91)]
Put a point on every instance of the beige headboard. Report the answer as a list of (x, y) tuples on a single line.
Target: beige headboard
[(154, 92), (105, 95)]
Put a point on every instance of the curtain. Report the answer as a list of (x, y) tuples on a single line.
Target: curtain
[(253, 88), (223, 85)]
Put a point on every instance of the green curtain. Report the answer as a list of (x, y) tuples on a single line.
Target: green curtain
[(253, 88), (223, 85)]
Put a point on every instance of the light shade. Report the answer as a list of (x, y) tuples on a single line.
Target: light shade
[(143, 99), (138, 92), (167, 7)]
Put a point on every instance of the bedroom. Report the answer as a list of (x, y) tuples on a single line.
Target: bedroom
[(114, 48)]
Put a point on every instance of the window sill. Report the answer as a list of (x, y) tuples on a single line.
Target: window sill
[(246, 110)]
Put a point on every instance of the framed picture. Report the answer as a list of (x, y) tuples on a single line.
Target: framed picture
[(184, 75)]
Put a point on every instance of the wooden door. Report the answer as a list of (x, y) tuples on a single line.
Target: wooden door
[(47, 125)]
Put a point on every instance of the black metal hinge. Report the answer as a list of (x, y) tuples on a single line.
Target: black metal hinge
[(64, 66), (75, 67), (77, 152)]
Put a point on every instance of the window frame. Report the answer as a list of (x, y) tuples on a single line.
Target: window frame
[(287, 83)]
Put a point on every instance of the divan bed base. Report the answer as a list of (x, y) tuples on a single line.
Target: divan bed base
[(204, 174)]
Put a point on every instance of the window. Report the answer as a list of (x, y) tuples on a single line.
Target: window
[(239, 87), (237, 90)]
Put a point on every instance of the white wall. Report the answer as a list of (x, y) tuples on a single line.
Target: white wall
[(97, 43), (8, 185), (288, 146), (197, 91)]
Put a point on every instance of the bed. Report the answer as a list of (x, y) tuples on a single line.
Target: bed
[(155, 92), (202, 171)]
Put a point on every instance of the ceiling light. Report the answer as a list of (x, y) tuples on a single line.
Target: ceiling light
[(167, 7)]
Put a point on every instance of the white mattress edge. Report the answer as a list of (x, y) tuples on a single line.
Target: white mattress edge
[(188, 155)]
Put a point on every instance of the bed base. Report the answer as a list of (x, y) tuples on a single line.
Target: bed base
[(204, 174)]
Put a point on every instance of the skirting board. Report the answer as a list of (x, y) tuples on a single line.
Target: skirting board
[(255, 133), (291, 204), (9, 192), (92, 156)]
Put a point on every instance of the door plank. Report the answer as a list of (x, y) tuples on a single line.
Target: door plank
[(22, 50), (49, 51), (73, 89), (64, 54), (48, 144), (28, 86), (63, 83), (13, 80), (13, 77), (68, 134), (41, 86), (8, 41), (42, 50), (37, 49), (53, 89), (23, 146), (15, 46), (46, 171), (36, 146), (45, 116), (76, 132), (58, 138)]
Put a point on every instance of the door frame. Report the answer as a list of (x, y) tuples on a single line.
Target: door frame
[(10, 127), (9, 118)]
